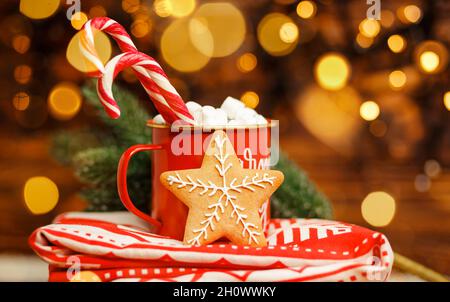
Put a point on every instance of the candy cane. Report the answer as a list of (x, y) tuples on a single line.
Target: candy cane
[(166, 99), (163, 94), (109, 26)]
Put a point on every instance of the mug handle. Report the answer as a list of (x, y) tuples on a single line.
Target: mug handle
[(122, 182)]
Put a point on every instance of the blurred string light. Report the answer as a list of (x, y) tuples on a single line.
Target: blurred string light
[(332, 71), (97, 11), (369, 110), (378, 128), (277, 34), (422, 183), (226, 26), (396, 43), (78, 19), (387, 18), (409, 14), (178, 49), (247, 62), (363, 41), (76, 58), (175, 8), (64, 101), (21, 43), (39, 9), (369, 28), (447, 100), (306, 9), (85, 276), (429, 61), (141, 28), (250, 99), (41, 195), (431, 56), (289, 32), (397, 79), (131, 6), (21, 101), (22, 74), (432, 168), (378, 209), (340, 110), (162, 8)]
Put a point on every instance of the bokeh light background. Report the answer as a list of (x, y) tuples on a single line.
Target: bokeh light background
[(364, 104)]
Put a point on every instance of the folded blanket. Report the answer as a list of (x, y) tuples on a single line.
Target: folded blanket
[(118, 246)]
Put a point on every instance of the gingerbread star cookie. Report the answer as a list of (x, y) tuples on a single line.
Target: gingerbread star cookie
[(223, 198)]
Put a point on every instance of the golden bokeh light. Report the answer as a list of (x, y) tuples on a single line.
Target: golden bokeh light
[(21, 101), (77, 59), (397, 79), (141, 28), (40, 194), (369, 110), (289, 32), (378, 128), (378, 209), (21, 43), (306, 9), (22, 74), (429, 61), (396, 43), (64, 101), (363, 41), (78, 19), (447, 100), (131, 6), (162, 8), (271, 37), (175, 8), (332, 71), (97, 11), (247, 62), (431, 56), (39, 9), (387, 18), (432, 168), (226, 26), (340, 110), (369, 28), (182, 8), (410, 14), (85, 276), (250, 99), (178, 49)]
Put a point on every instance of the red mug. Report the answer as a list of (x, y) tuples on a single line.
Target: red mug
[(183, 147)]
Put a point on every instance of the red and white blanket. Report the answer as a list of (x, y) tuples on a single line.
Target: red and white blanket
[(118, 246)]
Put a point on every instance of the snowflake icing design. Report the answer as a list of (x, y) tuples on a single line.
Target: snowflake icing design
[(227, 197)]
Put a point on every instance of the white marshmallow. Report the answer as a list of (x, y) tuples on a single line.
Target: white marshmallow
[(234, 123), (209, 116), (261, 120), (195, 110), (159, 119), (247, 116), (232, 106), (193, 106), (221, 117)]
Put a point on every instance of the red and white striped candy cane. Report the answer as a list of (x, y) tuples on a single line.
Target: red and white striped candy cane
[(166, 99), (108, 26)]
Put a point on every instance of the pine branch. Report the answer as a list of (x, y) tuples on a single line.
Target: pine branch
[(129, 128), (298, 196)]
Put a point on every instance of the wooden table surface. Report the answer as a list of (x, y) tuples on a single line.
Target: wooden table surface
[(420, 229)]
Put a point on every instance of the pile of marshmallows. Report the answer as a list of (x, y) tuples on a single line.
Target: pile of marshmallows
[(232, 113)]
